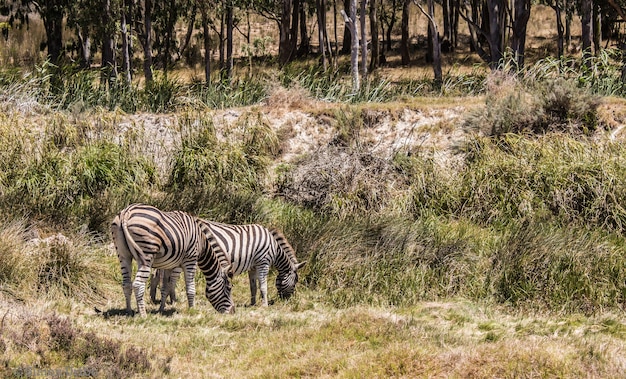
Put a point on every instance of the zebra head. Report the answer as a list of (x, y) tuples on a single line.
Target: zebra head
[(218, 291), (286, 281)]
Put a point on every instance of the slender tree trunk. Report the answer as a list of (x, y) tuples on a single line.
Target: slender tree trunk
[(207, 43), (597, 28), (336, 50), (109, 64), (433, 34), (85, 48), (520, 21), (559, 29), (222, 45), (374, 61), (568, 22), (285, 47), (354, 52), (495, 36), (190, 29), (147, 42), (404, 43), (363, 39), (125, 43), (229, 39), (53, 24), (321, 26), (587, 30), (347, 35)]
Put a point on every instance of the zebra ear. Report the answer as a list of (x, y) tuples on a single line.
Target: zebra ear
[(300, 265)]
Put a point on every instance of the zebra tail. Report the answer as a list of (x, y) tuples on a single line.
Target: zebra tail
[(134, 249)]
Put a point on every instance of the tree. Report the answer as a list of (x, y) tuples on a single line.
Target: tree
[(433, 33), (404, 42), (144, 31), (52, 13), (375, 50), (586, 7), (350, 21)]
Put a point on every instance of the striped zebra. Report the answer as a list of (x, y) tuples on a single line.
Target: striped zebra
[(254, 248), (172, 241)]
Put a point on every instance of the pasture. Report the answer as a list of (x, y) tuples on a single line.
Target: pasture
[(470, 229)]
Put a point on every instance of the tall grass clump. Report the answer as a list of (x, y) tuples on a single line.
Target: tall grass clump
[(69, 175), (393, 261), (554, 104), (561, 269), (236, 93), (555, 178), (225, 174), (53, 268), (162, 94), (13, 261)]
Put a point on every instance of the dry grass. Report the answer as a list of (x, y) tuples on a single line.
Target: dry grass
[(305, 338)]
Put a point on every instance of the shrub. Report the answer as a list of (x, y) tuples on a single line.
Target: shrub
[(550, 105)]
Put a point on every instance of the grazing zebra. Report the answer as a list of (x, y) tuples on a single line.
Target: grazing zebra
[(169, 241), (254, 248)]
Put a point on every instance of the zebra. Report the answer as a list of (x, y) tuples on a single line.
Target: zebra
[(254, 248), (173, 241)]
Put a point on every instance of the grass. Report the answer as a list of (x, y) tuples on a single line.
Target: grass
[(305, 337), (504, 258)]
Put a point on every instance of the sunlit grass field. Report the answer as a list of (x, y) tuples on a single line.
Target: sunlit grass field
[(468, 229)]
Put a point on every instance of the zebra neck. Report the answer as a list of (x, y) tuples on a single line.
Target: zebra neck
[(283, 262)]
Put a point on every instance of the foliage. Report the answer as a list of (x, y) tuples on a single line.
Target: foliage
[(551, 105)]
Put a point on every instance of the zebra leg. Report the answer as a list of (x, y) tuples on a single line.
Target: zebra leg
[(253, 278), (263, 284), (168, 285), (126, 265), (126, 260), (171, 293), (155, 281), (139, 285), (189, 269)]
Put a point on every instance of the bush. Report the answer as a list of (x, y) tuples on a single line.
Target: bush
[(552, 105)]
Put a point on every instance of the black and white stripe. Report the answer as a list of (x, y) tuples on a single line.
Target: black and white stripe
[(254, 248), (163, 240)]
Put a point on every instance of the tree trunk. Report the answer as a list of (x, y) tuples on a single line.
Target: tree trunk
[(363, 39), (285, 47), (520, 21), (494, 9), (321, 26), (109, 65), (404, 42), (147, 42), (374, 33), (207, 43), (560, 42), (434, 44), (597, 29), (85, 48), (229, 39), (587, 30), (125, 43), (347, 34), (190, 29), (53, 24), (354, 52)]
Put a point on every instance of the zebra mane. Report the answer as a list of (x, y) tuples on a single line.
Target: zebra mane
[(284, 245), (213, 246)]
